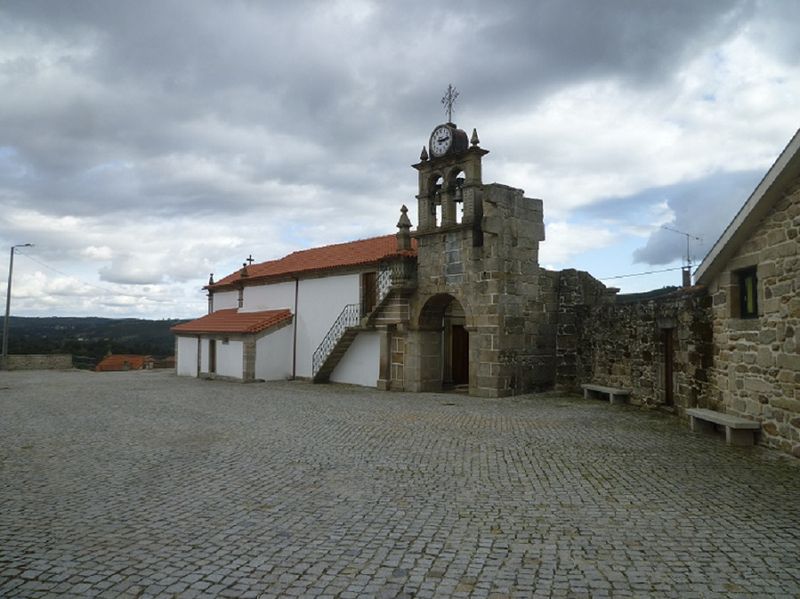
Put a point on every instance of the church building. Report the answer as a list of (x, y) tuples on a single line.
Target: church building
[(460, 302)]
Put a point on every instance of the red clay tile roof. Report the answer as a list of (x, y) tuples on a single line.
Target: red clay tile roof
[(233, 321), (352, 253), (122, 362)]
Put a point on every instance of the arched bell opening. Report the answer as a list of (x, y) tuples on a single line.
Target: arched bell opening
[(444, 344), (455, 185), (437, 197)]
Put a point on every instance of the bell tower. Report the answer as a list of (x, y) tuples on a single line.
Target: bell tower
[(478, 318), (450, 178), (450, 181)]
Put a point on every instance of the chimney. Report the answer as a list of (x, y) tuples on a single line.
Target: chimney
[(687, 276)]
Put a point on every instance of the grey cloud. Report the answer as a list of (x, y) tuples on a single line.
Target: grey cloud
[(295, 94), (526, 49), (702, 208)]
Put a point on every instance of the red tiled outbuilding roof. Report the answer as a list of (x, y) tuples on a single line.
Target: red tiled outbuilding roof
[(352, 253), (123, 362), (233, 321)]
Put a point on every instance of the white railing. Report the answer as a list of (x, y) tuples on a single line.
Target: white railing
[(384, 282)]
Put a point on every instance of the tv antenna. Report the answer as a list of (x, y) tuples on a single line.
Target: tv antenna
[(687, 269)]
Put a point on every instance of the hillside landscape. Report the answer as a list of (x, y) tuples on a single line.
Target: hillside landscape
[(90, 338)]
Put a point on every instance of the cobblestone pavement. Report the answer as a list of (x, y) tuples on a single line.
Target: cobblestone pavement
[(143, 484)]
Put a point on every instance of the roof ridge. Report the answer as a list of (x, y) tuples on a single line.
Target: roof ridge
[(369, 250), (330, 245)]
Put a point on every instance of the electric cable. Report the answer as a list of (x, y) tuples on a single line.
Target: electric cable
[(639, 274)]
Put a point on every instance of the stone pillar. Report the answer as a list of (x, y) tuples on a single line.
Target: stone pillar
[(448, 208), (423, 366), (249, 359), (385, 365)]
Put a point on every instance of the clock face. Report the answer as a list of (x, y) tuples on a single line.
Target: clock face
[(441, 139)]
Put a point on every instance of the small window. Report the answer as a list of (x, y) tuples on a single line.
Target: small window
[(748, 292)]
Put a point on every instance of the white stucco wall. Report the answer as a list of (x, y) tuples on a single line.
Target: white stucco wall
[(230, 358), (319, 303), (360, 364), (186, 360), (274, 355), (269, 297), (226, 299)]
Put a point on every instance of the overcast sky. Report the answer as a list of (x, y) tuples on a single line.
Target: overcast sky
[(144, 145)]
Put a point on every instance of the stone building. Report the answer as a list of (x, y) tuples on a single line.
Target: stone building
[(753, 278)]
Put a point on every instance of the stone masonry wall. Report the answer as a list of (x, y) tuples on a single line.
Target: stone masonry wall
[(39, 361), (623, 344), (757, 361), (571, 290), (513, 227)]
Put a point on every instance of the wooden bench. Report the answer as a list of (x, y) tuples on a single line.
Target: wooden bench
[(738, 431), (615, 395)]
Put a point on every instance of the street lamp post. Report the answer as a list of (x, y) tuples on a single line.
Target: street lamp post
[(8, 303)]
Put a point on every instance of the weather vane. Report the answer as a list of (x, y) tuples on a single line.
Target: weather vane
[(448, 100)]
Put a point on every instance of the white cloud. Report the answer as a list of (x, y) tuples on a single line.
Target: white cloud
[(564, 241), (98, 253), (600, 139)]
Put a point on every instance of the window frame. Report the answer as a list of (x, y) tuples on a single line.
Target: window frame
[(747, 309)]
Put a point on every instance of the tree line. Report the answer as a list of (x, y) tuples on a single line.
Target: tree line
[(90, 339)]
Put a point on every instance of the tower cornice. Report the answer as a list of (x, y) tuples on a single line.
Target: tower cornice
[(449, 159)]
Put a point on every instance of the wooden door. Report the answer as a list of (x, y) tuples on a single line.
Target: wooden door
[(212, 356), (669, 357), (460, 355), (369, 292)]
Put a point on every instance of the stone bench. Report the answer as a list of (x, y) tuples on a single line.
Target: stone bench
[(615, 395), (738, 431)]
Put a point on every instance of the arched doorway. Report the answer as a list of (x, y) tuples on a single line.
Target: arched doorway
[(445, 346)]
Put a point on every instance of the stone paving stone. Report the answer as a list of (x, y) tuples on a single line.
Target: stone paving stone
[(143, 484)]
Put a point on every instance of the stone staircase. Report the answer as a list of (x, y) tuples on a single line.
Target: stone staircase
[(339, 350), (339, 342), (391, 306)]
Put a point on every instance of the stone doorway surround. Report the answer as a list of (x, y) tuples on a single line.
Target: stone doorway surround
[(433, 343)]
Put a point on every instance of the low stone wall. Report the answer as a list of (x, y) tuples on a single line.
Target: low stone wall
[(39, 361), (629, 343)]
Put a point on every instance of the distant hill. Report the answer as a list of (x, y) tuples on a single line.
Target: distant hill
[(91, 338)]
